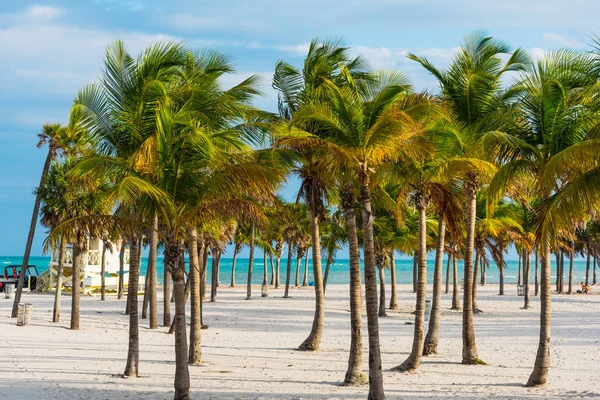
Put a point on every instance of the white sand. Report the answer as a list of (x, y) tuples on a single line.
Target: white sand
[(249, 350)]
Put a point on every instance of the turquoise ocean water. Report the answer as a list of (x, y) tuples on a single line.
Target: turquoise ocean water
[(339, 272)]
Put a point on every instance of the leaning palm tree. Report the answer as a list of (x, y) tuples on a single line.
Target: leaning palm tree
[(471, 86), (61, 140)]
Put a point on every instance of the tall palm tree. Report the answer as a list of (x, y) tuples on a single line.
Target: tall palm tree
[(297, 88), (160, 120), (552, 120), (471, 86), (362, 126), (61, 140)]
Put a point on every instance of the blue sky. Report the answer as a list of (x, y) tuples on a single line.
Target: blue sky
[(50, 49)]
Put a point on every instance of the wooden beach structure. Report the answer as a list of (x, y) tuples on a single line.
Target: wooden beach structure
[(90, 269)]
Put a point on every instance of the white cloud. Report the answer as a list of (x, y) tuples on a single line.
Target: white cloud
[(193, 23), (537, 53), (560, 40), (33, 14), (51, 57), (380, 57), (299, 49)]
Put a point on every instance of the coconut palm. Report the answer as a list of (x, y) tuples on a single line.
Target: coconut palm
[(552, 120), (66, 198), (297, 88), (471, 87), (63, 199), (61, 140), (164, 119), (361, 127)]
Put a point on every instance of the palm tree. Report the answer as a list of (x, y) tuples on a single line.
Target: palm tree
[(296, 89), (552, 120), (361, 126), (62, 199), (61, 140), (471, 86), (73, 202), (157, 139)]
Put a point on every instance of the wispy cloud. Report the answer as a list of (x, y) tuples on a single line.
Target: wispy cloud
[(560, 40), (33, 14), (197, 23)]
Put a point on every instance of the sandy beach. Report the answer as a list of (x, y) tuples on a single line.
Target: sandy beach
[(249, 350)]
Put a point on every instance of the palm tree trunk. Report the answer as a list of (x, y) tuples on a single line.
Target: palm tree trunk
[(354, 372), (152, 276), (431, 340), (501, 270), (562, 272), (139, 254), (264, 290), (469, 351), (166, 295), (326, 276), (375, 374), (214, 275), (250, 262), (298, 260), (537, 283), (182, 374), (59, 280), (526, 269), (414, 359), (203, 270), (145, 299), (195, 351), (455, 299), (218, 269), (31, 234), (595, 264), (289, 270), (571, 262), (277, 271), (539, 376), (313, 340), (557, 257), (483, 273), (520, 271), (414, 275), (265, 270), (133, 352), (272, 269), (475, 271), (394, 294), (305, 279), (75, 286), (587, 267), (381, 269), (103, 273), (235, 254), (448, 274), (121, 269)]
